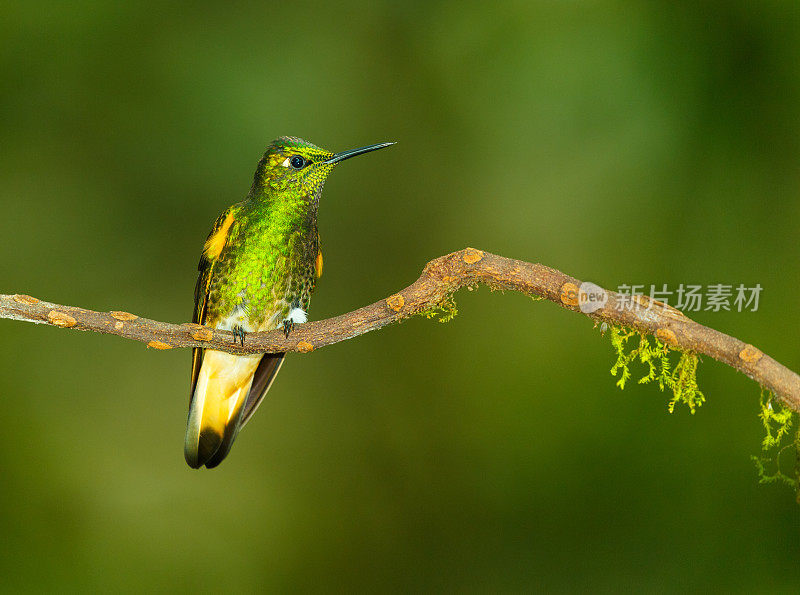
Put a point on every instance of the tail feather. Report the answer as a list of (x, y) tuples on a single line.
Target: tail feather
[(223, 384)]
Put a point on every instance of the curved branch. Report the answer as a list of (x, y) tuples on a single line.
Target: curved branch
[(440, 278)]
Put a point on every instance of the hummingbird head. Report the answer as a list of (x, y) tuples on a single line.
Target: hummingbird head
[(295, 165)]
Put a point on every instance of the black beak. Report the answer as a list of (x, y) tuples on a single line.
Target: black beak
[(353, 152)]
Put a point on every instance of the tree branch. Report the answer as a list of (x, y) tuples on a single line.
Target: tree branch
[(440, 278)]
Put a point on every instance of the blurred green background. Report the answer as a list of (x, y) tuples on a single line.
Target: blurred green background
[(619, 142)]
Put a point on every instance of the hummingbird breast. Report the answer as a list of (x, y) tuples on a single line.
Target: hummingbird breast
[(265, 270)]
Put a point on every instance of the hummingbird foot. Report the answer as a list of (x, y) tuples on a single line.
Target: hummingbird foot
[(296, 316), (238, 333)]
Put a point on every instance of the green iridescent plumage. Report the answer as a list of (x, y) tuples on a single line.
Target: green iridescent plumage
[(267, 262), (257, 272)]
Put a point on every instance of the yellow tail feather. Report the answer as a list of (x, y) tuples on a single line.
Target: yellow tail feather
[(215, 412)]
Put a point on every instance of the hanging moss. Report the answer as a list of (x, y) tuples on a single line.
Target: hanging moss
[(780, 449), (676, 370), (672, 369), (443, 312)]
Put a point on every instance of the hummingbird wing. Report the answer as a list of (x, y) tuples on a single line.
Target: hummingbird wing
[(199, 318), (265, 374), (215, 242), (220, 381)]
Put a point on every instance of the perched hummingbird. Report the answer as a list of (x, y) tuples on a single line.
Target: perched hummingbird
[(257, 272)]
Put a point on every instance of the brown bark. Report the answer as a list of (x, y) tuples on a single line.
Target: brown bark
[(440, 278)]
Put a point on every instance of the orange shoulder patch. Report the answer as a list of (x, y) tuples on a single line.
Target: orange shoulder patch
[(318, 264), (216, 241)]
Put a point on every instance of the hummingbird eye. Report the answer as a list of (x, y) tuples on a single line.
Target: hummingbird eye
[(297, 162)]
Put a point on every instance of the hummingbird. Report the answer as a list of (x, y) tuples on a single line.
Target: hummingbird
[(257, 272)]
